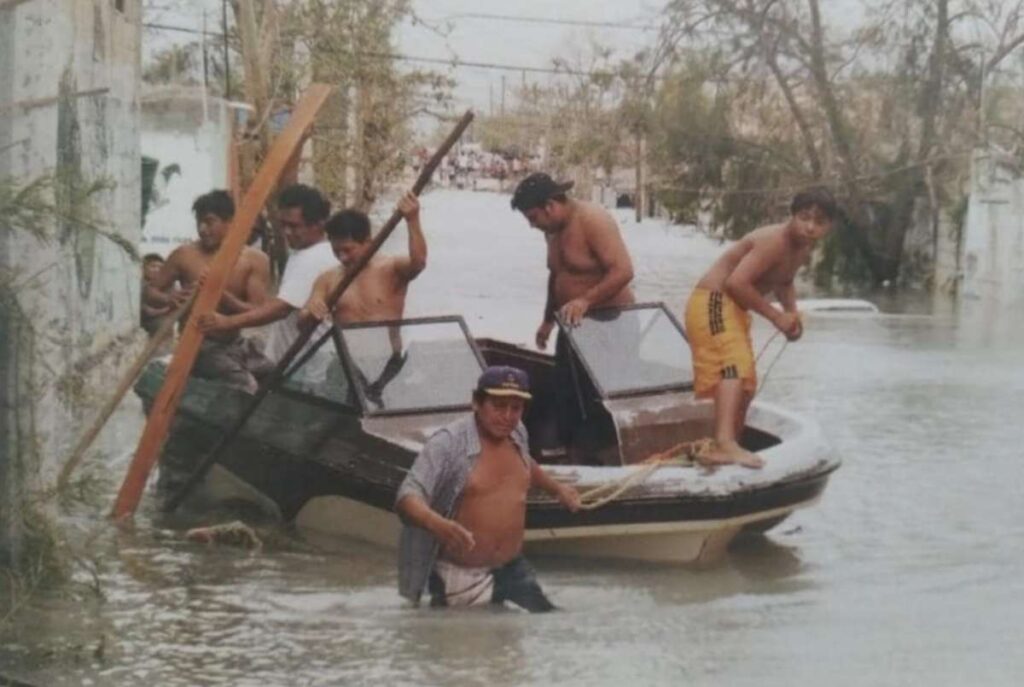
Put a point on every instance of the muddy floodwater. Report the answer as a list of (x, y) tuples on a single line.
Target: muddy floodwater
[(907, 573)]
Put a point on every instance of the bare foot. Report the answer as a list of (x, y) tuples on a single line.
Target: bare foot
[(732, 453)]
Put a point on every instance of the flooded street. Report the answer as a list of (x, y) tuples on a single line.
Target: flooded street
[(906, 573)]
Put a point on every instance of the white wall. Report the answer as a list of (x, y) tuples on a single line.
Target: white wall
[(186, 132), (993, 244)]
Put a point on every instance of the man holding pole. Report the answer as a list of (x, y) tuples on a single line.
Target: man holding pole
[(225, 355), (302, 211), (379, 292)]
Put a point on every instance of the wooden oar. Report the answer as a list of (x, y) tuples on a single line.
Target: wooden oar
[(166, 402), (278, 373), (162, 334)]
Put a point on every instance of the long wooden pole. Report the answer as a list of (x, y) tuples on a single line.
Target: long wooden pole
[(278, 374), (166, 402), (162, 334)]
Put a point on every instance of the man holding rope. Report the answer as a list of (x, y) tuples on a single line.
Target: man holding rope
[(718, 319), (463, 504)]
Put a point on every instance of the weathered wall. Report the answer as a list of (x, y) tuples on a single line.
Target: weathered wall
[(69, 74), (993, 243)]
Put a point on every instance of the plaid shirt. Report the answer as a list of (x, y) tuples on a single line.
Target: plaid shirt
[(438, 476)]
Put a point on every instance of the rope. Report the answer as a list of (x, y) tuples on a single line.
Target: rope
[(685, 454), (764, 378)]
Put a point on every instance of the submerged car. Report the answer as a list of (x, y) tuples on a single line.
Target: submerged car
[(328, 449)]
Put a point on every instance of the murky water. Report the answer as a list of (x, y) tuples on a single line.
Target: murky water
[(907, 573)]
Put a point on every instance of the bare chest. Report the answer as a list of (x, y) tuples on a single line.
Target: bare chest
[(569, 251), (498, 471)]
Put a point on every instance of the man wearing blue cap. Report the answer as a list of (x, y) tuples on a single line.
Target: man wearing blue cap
[(463, 504)]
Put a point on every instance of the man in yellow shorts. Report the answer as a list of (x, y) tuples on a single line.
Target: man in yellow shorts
[(763, 262)]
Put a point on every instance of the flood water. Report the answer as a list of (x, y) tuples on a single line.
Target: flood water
[(906, 573)]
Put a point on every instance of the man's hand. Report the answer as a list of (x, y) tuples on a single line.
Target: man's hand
[(569, 497), (214, 323), (315, 309), (543, 332), (789, 324), (180, 296), (453, 537), (573, 311), (409, 206)]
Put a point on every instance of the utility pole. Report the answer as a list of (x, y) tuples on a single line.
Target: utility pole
[(227, 58), (502, 95), (639, 194)]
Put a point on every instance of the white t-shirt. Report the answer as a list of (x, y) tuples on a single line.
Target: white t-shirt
[(303, 267)]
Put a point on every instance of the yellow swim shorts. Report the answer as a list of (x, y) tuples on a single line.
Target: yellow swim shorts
[(719, 333)]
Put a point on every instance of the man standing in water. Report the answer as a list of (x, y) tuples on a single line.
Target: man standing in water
[(225, 354), (718, 320), (463, 504)]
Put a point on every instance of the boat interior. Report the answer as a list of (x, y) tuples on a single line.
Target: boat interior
[(617, 390)]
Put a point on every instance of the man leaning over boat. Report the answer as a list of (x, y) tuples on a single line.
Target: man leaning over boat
[(718, 320), (588, 267), (463, 504)]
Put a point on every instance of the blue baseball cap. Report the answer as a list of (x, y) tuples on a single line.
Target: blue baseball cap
[(504, 380)]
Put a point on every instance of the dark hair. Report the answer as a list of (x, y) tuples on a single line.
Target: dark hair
[(216, 202), (536, 190), (315, 208), (152, 257), (348, 224), (815, 197)]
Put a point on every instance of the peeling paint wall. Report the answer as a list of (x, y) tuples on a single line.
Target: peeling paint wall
[(69, 75)]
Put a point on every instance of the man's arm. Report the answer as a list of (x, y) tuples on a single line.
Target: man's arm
[(270, 310), (563, 493), (548, 323), (453, 536), (428, 472), (315, 310), (410, 267), (740, 285), (605, 241), (256, 284), (160, 290)]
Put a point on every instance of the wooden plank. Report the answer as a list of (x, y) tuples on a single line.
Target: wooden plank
[(166, 402)]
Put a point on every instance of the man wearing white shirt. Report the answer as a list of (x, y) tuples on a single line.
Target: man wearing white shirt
[(302, 211)]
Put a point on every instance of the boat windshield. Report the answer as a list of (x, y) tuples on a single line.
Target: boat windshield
[(411, 365), (632, 350)]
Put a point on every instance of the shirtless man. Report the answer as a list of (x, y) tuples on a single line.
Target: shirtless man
[(378, 293), (463, 503), (588, 263), (588, 267), (765, 261), (224, 355)]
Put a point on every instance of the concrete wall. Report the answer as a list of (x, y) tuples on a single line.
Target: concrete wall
[(69, 74), (993, 244)]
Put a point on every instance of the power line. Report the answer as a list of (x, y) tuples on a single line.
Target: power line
[(551, 20), (399, 57)]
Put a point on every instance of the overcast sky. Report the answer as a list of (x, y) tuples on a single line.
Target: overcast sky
[(545, 31)]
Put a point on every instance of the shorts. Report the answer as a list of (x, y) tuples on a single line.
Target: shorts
[(516, 581), (719, 334), (238, 363)]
